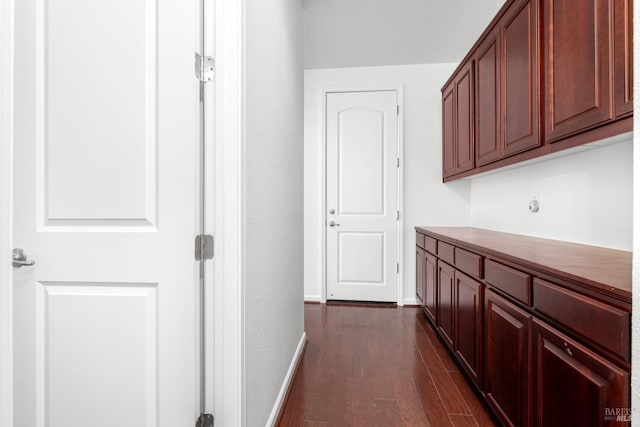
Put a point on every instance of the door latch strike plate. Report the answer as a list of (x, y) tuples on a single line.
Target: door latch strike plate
[(205, 420), (204, 68), (204, 247)]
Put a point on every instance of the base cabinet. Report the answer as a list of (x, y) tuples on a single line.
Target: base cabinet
[(542, 350), (468, 325), (445, 302), (573, 385), (430, 287), (507, 353), (420, 273)]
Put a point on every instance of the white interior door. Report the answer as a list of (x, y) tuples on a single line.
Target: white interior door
[(362, 196), (106, 204)]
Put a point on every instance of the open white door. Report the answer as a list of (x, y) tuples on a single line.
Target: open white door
[(362, 196), (106, 203)]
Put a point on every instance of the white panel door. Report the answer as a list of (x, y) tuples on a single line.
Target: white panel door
[(106, 203), (362, 196)]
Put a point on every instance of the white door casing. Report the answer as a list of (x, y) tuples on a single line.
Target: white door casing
[(362, 195), (106, 202)]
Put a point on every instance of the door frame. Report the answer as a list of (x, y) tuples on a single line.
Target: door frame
[(223, 211), (6, 195), (400, 196)]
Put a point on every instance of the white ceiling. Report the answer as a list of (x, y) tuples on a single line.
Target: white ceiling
[(353, 33)]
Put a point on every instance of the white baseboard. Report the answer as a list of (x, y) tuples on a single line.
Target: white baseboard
[(288, 379), (312, 298), (411, 301)]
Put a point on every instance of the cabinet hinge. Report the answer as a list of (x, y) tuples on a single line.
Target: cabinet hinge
[(204, 68), (205, 420), (204, 247)]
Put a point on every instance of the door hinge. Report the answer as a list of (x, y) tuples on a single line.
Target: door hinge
[(397, 215), (398, 162), (205, 420), (397, 110), (204, 247), (204, 68), (397, 267)]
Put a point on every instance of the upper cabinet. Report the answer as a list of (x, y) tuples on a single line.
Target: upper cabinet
[(507, 86), (577, 66), (457, 123), (623, 53), (547, 75)]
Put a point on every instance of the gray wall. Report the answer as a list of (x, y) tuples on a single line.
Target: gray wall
[(274, 312), (357, 33)]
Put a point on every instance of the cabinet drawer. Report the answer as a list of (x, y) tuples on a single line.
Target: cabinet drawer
[(445, 252), (430, 244), (604, 325), (468, 262), (515, 283), (420, 240)]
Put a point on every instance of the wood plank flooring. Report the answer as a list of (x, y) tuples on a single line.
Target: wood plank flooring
[(377, 366)]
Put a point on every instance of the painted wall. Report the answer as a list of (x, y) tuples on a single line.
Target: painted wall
[(273, 308), (426, 200), (357, 33), (585, 197)]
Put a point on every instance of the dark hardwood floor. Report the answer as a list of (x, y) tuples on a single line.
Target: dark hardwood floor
[(377, 366)]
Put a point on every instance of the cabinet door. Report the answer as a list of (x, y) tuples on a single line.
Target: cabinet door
[(577, 76), (448, 131), (445, 302), (520, 78), (488, 101), (420, 260), (507, 355), (465, 140), (623, 46), (430, 288), (572, 384), (468, 324)]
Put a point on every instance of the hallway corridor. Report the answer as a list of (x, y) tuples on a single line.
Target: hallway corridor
[(377, 366)]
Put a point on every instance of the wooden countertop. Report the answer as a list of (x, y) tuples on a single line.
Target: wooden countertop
[(605, 270)]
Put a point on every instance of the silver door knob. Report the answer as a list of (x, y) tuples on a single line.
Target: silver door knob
[(333, 224), (19, 258)]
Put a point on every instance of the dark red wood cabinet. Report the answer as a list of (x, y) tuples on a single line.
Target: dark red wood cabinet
[(547, 343), (507, 377), (623, 52), (420, 273), (577, 66), (458, 146), (468, 324), (489, 145), (446, 294), (573, 385), (430, 287), (544, 71), (520, 78)]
